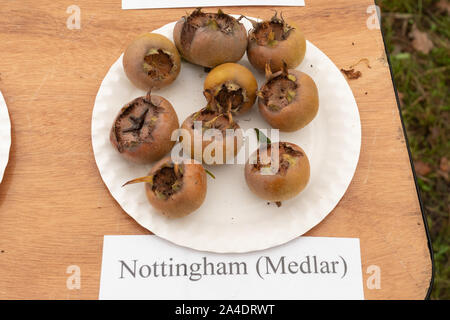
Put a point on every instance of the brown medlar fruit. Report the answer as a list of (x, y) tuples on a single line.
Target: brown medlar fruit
[(210, 39), (275, 41), (233, 87), (278, 182), (142, 130), (151, 61), (175, 189), (228, 145), (289, 99)]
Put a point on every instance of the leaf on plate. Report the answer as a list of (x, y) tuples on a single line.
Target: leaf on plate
[(262, 138)]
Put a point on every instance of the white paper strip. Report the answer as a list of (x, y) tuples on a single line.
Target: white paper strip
[(151, 4), (5, 136), (147, 267)]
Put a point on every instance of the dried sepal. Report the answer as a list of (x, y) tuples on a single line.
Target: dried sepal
[(212, 23), (253, 22), (146, 179), (210, 173), (268, 71)]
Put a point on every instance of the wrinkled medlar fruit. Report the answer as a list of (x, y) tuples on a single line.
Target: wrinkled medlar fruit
[(206, 152), (142, 130), (175, 189), (233, 88), (289, 99), (282, 182), (151, 61), (210, 39), (275, 41)]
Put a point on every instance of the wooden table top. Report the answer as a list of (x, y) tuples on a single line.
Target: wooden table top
[(54, 207)]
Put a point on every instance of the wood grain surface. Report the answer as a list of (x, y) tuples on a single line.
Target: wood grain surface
[(54, 207)]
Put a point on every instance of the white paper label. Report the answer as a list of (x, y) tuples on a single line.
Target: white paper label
[(147, 267), (149, 4)]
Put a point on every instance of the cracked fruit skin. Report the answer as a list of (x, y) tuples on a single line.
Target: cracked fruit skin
[(283, 185), (300, 111), (188, 198), (137, 68), (291, 51), (236, 74), (153, 140), (201, 41)]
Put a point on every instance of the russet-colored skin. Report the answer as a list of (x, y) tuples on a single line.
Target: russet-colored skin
[(291, 51), (159, 144), (188, 198), (209, 46), (237, 74), (300, 112), (230, 146), (133, 61), (280, 187)]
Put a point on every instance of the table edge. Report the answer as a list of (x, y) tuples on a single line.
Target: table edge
[(425, 223)]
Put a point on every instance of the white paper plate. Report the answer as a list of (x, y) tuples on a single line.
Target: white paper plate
[(5, 136), (232, 219)]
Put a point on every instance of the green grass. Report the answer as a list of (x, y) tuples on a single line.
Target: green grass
[(423, 84)]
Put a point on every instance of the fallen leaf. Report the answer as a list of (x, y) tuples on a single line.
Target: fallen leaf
[(401, 95), (421, 42), (443, 175), (443, 5), (351, 74), (434, 135), (444, 164), (422, 168)]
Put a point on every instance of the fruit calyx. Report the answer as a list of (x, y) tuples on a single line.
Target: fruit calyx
[(269, 33), (158, 63), (165, 182), (197, 19), (279, 90), (168, 180), (211, 119), (227, 98), (136, 122), (288, 156)]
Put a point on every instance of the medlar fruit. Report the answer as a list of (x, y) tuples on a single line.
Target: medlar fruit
[(142, 130), (281, 182), (228, 145), (233, 87), (210, 39), (289, 99), (151, 61), (275, 41), (175, 189)]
